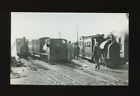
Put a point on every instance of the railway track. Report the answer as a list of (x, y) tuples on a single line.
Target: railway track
[(79, 71), (105, 78), (52, 78), (63, 79), (114, 80), (59, 78), (101, 76)]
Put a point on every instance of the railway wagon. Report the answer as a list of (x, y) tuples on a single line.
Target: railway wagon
[(38, 48), (22, 48), (49, 49), (87, 44), (114, 53)]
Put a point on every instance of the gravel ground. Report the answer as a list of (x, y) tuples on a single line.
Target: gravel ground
[(120, 74), (29, 77), (41, 73)]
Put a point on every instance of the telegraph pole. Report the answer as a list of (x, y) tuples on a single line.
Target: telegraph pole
[(77, 35), (77, 43)]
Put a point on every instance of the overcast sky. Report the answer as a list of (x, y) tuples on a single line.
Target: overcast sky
[(35, 25)]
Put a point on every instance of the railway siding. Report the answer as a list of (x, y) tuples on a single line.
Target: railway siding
[(80, 77), (63, 74)]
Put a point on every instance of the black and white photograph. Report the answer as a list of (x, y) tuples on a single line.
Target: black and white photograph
[(69, 48)]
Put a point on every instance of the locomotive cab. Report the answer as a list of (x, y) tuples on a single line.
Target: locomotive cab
[(58, 50)]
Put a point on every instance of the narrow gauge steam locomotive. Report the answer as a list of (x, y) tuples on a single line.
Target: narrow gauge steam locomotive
[(58, 50), (114, 53), (47, 49), (22, 48)]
